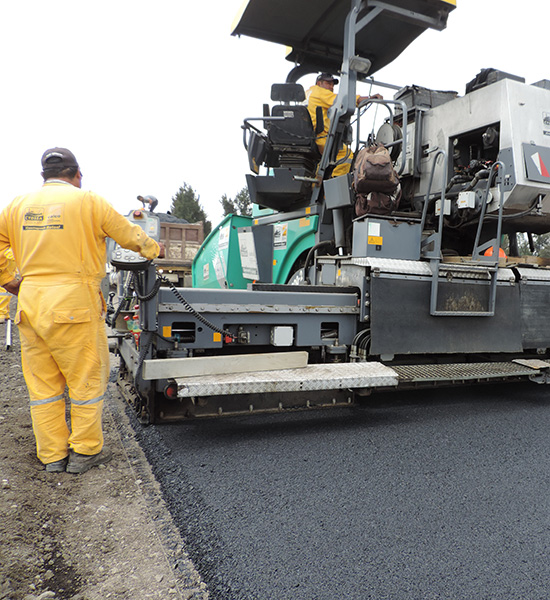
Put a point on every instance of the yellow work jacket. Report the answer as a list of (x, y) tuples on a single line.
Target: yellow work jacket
[(319, 96), (58, 234)]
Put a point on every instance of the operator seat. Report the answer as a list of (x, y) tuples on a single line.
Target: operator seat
[(294, 138), (288, 151)]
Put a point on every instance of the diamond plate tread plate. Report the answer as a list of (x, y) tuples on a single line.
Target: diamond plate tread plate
[(533, 363), (461, 371), (358, 375), (415, 267), (391, 265), (475, 272), (540, 274), (311, 378)]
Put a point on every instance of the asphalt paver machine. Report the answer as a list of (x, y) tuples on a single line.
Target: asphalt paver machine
[(307, 305)]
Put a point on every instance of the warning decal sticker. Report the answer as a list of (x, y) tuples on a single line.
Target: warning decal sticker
[(537, 163)]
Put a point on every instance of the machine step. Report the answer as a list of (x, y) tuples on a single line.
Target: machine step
[(462, 372), (328, 376), (355, 376)]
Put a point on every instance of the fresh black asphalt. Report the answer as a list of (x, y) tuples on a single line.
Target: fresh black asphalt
[(440, 494)]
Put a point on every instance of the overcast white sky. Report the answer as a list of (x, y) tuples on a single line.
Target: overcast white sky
[(150, 95)]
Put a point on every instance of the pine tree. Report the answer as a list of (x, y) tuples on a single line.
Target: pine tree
[(228, 206), (541, 245), (242, 200), (240, 206), (186, 205)]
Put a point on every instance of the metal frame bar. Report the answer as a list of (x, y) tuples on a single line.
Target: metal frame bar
[(403, 140), (495, 242), (408, 15), (489, 263)]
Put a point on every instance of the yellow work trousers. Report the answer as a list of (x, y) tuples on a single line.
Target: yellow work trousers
[(5, 298), (343, 158), (64, 343)]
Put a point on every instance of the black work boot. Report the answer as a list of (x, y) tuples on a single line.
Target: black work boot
[(80, 463), (58, 466)]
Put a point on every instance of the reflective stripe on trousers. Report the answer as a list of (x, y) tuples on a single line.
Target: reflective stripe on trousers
[(53, 438)]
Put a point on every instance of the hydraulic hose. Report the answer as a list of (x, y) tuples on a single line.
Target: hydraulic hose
[(310, 254)]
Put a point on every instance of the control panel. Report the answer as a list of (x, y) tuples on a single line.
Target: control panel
[(128, 260)]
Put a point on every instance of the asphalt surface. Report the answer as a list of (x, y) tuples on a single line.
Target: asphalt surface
[(425, 495)]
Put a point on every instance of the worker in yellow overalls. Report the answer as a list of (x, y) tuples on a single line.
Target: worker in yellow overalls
[(57, 235), (322, 94)]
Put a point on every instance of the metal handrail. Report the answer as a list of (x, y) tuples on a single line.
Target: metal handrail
[(435, 238), (495, 242), (247, 126), (491, 262), (403, 140)]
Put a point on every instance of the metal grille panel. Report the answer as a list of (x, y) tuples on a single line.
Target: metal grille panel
[(461, 371)]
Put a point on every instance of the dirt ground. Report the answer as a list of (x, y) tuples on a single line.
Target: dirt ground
[(103, 534)]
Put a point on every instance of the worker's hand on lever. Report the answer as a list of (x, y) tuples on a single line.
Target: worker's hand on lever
[(13, 286), (373, 97)]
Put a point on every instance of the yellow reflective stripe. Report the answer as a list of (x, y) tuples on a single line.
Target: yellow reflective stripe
[(46, 401), (84, 402)]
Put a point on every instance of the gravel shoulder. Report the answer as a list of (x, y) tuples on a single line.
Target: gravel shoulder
[(104, 534)]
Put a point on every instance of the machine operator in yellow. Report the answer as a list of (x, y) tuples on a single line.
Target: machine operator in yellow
[(322, 94), (57, 235)]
